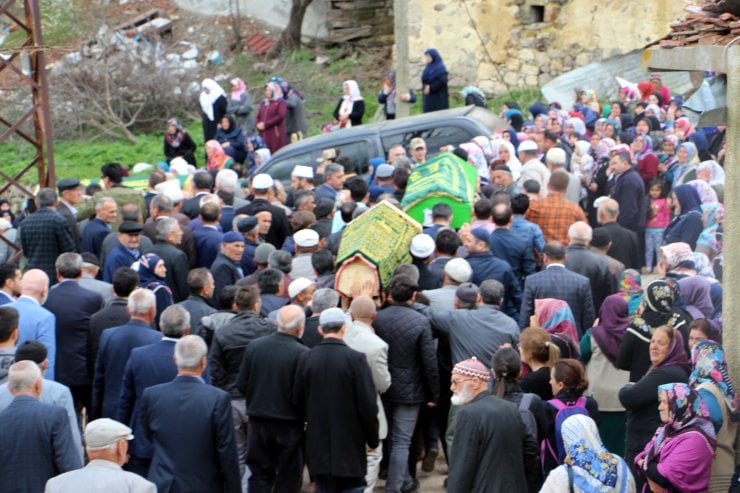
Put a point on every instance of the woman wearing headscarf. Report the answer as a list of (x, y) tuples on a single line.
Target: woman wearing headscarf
[(687, 224), (556, 317), (503, 150), (213, 106), (271, 115), (240, 105), (629, 287), (589, 467), (659, 308), (710, 378), (679, 456), (711, 172), (669, 363), (703, 267), (387, 95), (695, 293), (152, 272), (647, 161), (351, 108), (599, 352), (217, 159), (296, 126), (710, 239), (231, 138), (261, 157), (434, 83), (707, 195), (178, 143), (702, 145), (667, 158), (685, 167)]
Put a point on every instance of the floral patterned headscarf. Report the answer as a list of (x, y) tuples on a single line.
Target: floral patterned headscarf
[(594, 467), (709, 365), (629, 285), (686, 412)]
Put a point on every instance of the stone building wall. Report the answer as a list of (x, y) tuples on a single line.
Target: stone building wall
[(501, 45)]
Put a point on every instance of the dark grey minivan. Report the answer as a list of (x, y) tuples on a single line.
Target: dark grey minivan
[(438, 128)]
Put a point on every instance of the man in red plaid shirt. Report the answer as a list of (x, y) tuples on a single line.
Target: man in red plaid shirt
[(554, 213)]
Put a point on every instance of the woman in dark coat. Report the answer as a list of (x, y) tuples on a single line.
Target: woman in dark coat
[(687, 225), (213, 105), (434, 83), (231, 138), (271, 117), (178, 143), (669, 364)]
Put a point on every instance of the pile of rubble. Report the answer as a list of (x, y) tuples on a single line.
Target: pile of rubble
[(146, 38), (709, 23)]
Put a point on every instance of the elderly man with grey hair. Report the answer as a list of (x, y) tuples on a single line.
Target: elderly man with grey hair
[(115, 348), (45, 234), (579, 259), (186, 415), (266, 379), (106, 442), (323, 299), (477, 327), (72, 306), (169, 237), (106, 213), (626, 246), (36, 439), (148, 366)]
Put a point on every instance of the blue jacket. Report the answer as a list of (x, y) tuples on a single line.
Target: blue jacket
[(93, 236), (37, 323), (514, 250), (183, 416), (117, 258), (147, 366), (36, 445), (485, 266), (208, 245), (530, 232), (116, 344), (72, 306)]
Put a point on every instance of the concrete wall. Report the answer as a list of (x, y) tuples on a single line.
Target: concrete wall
[(496, 45)]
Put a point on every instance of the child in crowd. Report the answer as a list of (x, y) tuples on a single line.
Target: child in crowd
[(659, 216)]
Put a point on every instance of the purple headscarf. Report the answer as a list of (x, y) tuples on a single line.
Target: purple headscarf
[(676, 353), (613, 322), (695, 292)]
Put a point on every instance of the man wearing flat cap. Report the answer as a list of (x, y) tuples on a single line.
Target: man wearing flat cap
[(70, 194), (503, 180), (482, 425), (248, 227), (126, 252), (106, 442), (335, 388), (226, 269)]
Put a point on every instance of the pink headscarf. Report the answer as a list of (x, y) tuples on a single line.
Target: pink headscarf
[(241, 88), (216, 155)]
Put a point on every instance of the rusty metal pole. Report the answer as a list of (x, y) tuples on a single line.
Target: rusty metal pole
[(29, 54), (42, 115)]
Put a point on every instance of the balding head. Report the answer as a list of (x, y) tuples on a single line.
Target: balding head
[(35, 283), (580, 233), (608, 211), (24, 377), (291, 320), (363, 308)]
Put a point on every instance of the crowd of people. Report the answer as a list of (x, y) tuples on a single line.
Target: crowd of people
[(193, 338)]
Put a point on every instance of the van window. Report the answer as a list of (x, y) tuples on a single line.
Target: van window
[(434, 137), (358, 151)]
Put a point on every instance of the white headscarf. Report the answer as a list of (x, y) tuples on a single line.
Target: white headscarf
[(207, 99), (513, 163), (354, 91), (716, 172)]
